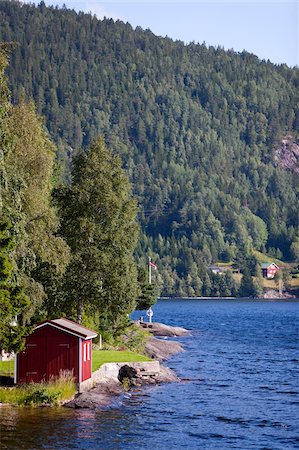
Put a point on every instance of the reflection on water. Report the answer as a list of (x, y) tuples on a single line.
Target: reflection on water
[(51, 428), (241, 390)]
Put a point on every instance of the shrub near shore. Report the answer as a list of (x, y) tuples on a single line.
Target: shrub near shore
[(52, 393), (58, 391)]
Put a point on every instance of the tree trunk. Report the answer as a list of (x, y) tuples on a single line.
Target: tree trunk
[(79, 311)]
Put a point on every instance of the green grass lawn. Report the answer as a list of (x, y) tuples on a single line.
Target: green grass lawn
[(7, 368), (262, 258), (100, 357)]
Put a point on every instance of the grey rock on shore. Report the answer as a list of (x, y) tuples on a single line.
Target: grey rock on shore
[(160, 329), (98, 397), (102, 394), (273, 294), (161, 348)]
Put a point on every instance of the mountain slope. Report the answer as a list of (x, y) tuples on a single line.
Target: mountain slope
[(196, 127)]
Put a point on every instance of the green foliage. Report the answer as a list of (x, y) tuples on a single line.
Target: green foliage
[(13, 301), (196, 128), (98, 223), (126, 382), (262, 257), (247, 287), (278, 278), (258, 282), (27, 201), (40, 394), (27, 162), (286, 278), (7, 368), (220, 285), (148, 292), (295, 250), (41, 397), (135, 338), (256, 228), (5, 106)]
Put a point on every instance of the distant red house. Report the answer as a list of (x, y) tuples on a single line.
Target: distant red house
[(55, 346), (269, 270)]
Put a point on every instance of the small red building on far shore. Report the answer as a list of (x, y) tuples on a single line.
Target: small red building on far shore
[(269, 270), (53, 347)]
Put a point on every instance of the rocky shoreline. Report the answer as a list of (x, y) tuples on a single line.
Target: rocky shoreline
[(275, 295), (162, 349), (130, 377)]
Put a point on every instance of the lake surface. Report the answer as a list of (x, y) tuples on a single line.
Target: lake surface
[(241, 392)]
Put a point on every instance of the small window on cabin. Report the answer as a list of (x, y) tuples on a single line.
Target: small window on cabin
[(84, 352), (88, 351)]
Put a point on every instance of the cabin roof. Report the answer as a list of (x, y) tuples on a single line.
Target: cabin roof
[(69, 327), (214, 267), (266, 265)]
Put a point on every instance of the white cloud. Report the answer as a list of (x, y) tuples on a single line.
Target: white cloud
[(99, 10)]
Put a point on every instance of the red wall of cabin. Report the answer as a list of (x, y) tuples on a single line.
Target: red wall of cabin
[(272, 270), (48, 350)]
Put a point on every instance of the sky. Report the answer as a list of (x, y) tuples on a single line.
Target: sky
[(267, 28)]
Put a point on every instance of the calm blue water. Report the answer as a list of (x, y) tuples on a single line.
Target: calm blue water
[(243, 393)]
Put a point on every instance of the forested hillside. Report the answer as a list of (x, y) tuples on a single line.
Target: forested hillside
[(197, 129)]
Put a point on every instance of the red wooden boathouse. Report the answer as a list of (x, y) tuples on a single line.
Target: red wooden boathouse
[(269, 270), (54, 346)]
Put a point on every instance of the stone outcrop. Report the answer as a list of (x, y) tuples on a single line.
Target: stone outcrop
[(136, 377), (159, 329), (272, 293), (112, 378), (161, 348), (286, 155), (98, 397), (112, 370)]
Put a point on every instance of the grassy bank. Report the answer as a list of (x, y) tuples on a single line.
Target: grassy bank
[(40, 394), (100, 357), (62, 389)]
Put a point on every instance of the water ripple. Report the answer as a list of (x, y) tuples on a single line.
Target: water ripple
[(240, 390)]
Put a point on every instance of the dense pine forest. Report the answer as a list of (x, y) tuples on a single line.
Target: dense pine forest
[(197, 129)]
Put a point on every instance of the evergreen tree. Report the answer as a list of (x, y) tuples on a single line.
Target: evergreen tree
[(148, 292), (247, 288), (278, 278), (99, 224), (259, 283)]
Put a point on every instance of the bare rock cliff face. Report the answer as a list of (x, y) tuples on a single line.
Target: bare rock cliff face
[(286, 155)]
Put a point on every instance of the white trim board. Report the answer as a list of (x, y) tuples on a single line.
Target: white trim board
[(80, 361), (15, 369)]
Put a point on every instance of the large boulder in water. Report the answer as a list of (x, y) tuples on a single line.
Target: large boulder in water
[(160, 329), (161, 348)]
